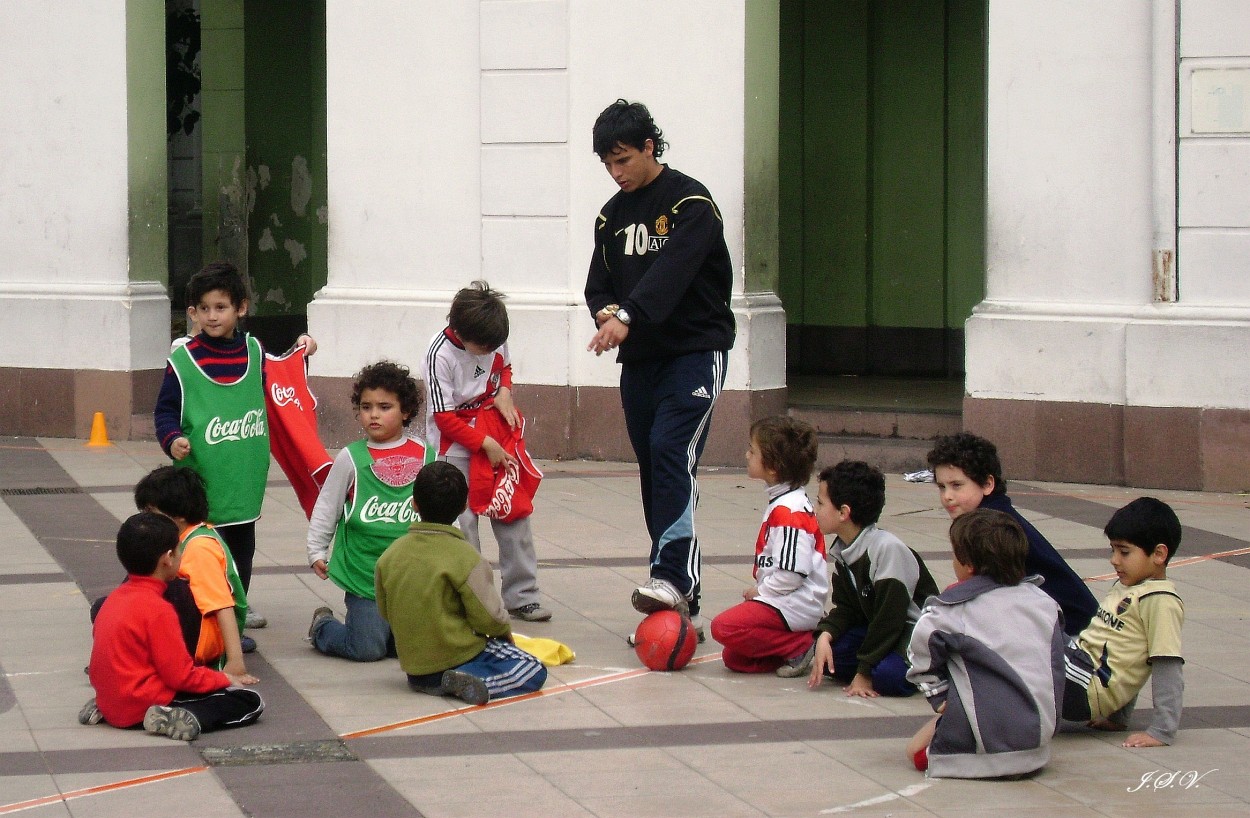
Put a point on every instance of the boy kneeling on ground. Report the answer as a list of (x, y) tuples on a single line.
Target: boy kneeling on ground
[(452, 632)]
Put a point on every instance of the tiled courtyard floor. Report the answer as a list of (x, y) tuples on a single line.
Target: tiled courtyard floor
[(604, 738)]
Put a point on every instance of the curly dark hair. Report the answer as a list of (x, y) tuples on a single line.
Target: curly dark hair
[(974, 456), (478, 315), (626, 123), (787, 446), (991, 543), (394, 378), (855, 484)]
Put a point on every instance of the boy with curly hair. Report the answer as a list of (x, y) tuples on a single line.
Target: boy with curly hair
[(364, 506)]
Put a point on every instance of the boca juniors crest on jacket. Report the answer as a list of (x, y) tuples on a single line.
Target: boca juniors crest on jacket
[(377, 513)]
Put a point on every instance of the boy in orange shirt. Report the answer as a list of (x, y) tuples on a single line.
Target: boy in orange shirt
[(205, 562)]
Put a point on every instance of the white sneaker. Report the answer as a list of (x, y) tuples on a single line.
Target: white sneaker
[(799, 665), (659, 595), (90, 714), (255, 620)]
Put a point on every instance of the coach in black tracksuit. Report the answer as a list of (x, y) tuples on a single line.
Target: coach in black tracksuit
[(659, 288)]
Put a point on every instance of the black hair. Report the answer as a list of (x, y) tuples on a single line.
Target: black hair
[(974, 456), (787, 446), (478, 315), (174, 491), (142, 539), (1146, 523), (856, 484), (991, 543), (394, 378), (626, 123), (440, 492), (219, 275)]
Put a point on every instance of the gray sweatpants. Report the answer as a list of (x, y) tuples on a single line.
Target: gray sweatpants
[(518, 564)]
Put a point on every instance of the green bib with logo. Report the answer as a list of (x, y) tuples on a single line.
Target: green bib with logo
[(229, 434), (377, 514)]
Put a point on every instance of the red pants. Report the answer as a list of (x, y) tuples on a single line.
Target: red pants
[(756, 638)]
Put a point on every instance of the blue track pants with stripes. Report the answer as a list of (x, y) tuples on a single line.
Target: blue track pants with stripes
[(668, 411)]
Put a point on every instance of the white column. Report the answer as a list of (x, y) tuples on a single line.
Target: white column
[(1070, 218), (404, 180), (66, 295)]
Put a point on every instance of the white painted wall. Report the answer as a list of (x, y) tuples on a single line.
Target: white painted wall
[(1083, 186), (66, 300), (473, 159)]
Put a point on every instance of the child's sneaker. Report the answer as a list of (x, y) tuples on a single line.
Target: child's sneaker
[(178, 723), (798, 666), (532, 612), (465, 686), (255, 620), (90, 714), (321, 615), (659, 595), (247, 643)]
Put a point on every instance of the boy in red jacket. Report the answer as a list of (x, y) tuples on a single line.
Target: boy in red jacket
[(140, 667)]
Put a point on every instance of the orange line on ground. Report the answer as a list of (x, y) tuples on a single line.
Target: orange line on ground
[(103, 788), (1236, 552), (538, 694)]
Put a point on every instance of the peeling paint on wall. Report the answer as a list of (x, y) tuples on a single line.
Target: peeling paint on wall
[(323, 214), (301, 185), (273, 217), (266, 241), (297, 251), (276, 296), (263, 173)]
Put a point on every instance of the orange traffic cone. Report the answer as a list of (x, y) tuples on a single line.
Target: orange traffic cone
[(99, 432)]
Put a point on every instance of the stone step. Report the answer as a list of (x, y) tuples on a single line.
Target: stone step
[(893, 455), (910, 423)]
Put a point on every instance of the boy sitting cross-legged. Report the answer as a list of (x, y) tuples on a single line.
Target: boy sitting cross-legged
[(140, 667), (988, 655), (452, 633), (1136, 634)]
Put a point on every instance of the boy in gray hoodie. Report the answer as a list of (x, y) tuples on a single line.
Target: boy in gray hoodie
[(988, 655)]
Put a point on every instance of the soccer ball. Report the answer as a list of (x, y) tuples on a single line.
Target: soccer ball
[(665, 640)]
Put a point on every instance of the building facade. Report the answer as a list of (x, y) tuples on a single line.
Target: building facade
[(365, 169)]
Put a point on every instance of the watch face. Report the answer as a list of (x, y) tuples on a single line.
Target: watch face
[(623, 316)]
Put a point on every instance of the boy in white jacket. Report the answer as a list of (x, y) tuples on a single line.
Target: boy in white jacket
[(774, 622)]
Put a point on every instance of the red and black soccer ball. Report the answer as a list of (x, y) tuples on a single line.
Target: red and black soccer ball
[(665, 640)]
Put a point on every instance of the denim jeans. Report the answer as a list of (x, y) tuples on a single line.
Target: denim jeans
[(889, 677), (363, 637)]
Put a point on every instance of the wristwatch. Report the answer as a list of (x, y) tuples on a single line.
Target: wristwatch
[(617, 311)]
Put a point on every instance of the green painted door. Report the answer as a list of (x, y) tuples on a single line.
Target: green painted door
[(882, 243)]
